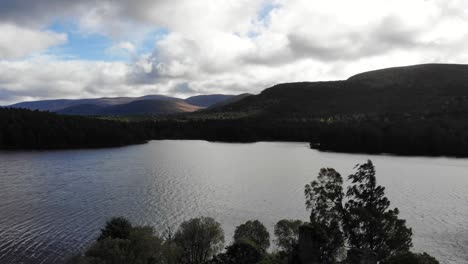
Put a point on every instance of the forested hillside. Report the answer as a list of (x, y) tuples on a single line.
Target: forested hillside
[(435, 89)]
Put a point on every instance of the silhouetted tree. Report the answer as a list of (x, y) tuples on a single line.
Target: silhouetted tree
[(117, 227), (172, 253), (240, 252), (369, 224), (120, 243), (324, 198), (287, 234), (108, 251), (358, 222), (199, 239), (145, 246), (359, 219), (254, 232)]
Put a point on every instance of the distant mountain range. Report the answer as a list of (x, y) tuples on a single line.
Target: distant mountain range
[(419, 89), (120, 106)]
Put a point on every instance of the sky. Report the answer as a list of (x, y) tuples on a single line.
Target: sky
[(107, 48)]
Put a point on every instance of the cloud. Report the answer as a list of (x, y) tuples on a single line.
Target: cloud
[(47, 77), (183, 88), (122, 49), (33, 13), (229, 46), (17, 42)]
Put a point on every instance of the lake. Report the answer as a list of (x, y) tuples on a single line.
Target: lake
[(53, 203)]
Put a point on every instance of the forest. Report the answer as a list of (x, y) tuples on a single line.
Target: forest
[(430, 135), (395, 134), (26, 129), (352, 226)]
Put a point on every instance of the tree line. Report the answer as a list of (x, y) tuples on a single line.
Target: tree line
[(429, 135), (396, 134), (352, 226), (26, 129)]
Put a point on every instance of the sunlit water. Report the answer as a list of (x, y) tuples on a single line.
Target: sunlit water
[(53, 203)]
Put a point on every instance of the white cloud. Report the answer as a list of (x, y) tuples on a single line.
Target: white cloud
[(225, 46), (47, 77), (123, 49), (17, 42)]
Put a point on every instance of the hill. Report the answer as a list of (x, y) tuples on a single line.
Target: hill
[(81, 109), (424, 76), (60, 104), (414, 110), (422, 89), (159, 105), (208, 100), (148, 107), (230, 100)]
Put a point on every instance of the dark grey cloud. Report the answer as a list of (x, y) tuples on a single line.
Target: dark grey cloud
[(7, 95), (14, 95), (388, 35), (35, 13), (183, 88), (39, 13)]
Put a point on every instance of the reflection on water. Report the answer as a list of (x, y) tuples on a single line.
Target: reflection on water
[(53, 203)]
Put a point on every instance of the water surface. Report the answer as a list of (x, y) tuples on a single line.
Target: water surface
[(53, 203)]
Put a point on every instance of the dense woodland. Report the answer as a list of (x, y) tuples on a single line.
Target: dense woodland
[(26, 129), (396, 135), (356, 226), (405, 135)]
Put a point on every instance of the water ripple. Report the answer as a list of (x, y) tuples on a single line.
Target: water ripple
[(53, 203)]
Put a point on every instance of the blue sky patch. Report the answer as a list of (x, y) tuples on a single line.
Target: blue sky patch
[(96, 47)]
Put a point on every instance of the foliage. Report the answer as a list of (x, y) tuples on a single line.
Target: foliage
[(199, 239), (109, 251), (411, 258), (421, 133), (318, 243), (359, 219), (275, 259), (370, 225), (120, 243), (287, 234), (239, 252), (172, 253), (254, 232), (26, 129), (117, 227), (324, 198), (146, 246)]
